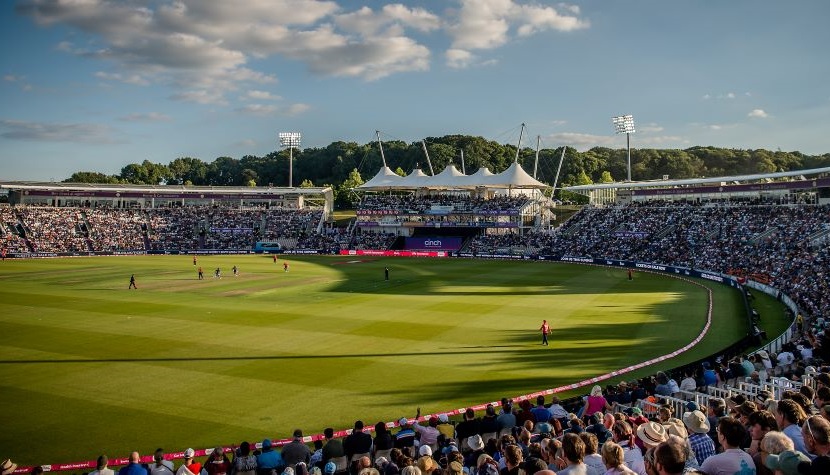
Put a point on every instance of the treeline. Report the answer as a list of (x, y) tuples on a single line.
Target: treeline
[(343, 165)]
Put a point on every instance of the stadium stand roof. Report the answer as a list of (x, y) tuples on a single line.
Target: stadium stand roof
[(190, 189), (31, 192), (698, 181), (451, 178)]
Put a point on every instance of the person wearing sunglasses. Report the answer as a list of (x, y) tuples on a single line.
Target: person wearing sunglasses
[(816, 432)]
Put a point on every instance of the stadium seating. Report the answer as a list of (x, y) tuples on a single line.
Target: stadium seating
[(784, 243)]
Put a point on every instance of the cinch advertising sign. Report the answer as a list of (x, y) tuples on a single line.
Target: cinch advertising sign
[(441, 243)]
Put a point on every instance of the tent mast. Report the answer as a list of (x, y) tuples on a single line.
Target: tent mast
[(519, 146), (536, 162), (558, 169), (380, 146), (429, 162)]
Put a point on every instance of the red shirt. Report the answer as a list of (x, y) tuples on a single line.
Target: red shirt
[(545, 328)]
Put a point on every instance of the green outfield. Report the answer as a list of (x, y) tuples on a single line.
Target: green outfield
[(89, 367)]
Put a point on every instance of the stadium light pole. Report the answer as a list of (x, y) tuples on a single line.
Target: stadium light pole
[(624, 124), (290, 140)]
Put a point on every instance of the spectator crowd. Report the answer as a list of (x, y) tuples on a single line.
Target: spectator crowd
[(627, 428)]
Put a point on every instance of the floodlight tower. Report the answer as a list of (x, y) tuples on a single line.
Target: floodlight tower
[(290, 140), (624, 124)]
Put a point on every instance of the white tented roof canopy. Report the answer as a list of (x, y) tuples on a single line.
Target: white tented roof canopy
[(386, 179), (450, 178)]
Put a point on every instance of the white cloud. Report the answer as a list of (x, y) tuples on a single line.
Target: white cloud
[(203, 49), (583, 142), (258, 109), (135, 79), (417, 18), (262, 96), (13, 78), (372, 59), (721, 97), (245, 143), (649, 128), (200, 96), (296, 109), (146, 117), (366, 22), (537, 18), (459, 58), (199, 46), (485, 24), (52, 132), (757, 114), (272, 109)]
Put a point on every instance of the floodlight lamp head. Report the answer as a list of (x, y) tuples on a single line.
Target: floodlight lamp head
[(290, 139), (623, 124)]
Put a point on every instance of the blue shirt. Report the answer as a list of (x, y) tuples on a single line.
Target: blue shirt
[(541, 413), (269, 459), (133, 469), (794, 432)]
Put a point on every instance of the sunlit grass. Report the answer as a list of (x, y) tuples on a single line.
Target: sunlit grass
[(89, 367)]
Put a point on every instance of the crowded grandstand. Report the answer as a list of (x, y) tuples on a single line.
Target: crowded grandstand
[(733, 408)]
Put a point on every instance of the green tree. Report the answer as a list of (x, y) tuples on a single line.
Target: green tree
[(583, 179), (184, 169), (606, 177), (249, 176), (145, 173), (92, 177), (346, 196), (306, 184), (224, 171)]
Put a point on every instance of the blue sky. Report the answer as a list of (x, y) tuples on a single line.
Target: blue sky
[(93, 85)]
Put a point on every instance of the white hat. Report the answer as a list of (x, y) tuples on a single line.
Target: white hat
[(402, 421), (475, 442), (8, 466), (696, 422), (651, 433), (443, 418), (425, 450), (189, 453)]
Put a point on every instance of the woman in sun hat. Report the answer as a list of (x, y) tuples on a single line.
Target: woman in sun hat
[(8, 466), (651, 434)]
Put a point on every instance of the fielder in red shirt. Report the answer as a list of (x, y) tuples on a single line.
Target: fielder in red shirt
[(545, 330)]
